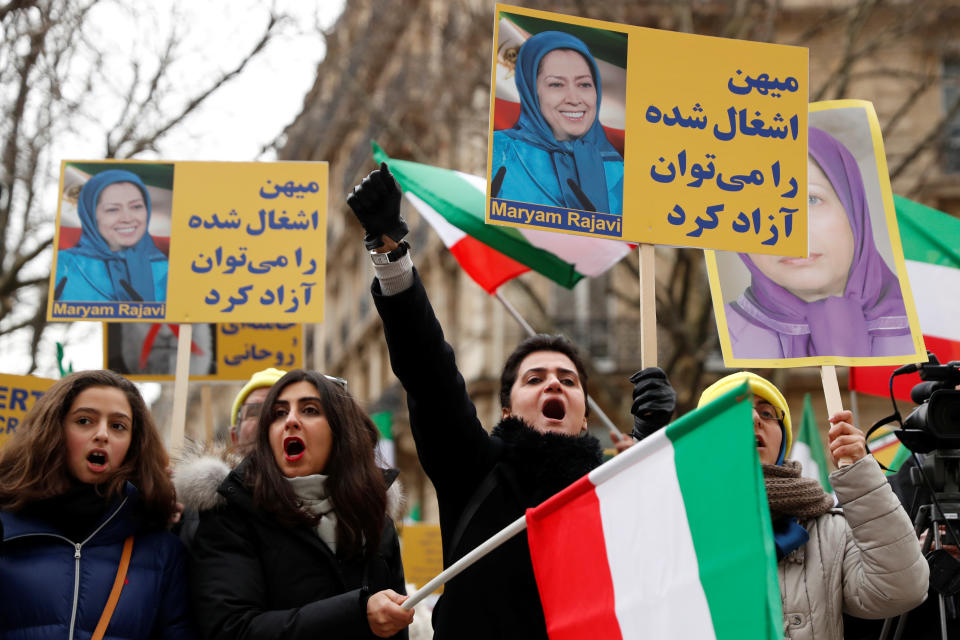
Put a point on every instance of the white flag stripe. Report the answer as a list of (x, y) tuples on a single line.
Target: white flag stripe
[(935, 290), (800, 452), (450, 234), (651, 553), (589, 256)]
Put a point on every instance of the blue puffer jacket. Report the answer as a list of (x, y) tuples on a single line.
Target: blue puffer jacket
[(52, 587)]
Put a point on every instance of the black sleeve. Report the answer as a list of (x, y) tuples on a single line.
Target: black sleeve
[(229, 591), (452, 445)]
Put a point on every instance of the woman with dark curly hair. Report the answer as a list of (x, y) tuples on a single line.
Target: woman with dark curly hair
[(84, 489)]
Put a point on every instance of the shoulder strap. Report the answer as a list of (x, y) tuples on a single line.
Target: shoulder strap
[(479, 495), (101, 629)]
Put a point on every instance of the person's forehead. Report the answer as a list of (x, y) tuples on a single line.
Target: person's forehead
[(564, 60), (257, 396), (761, 400), (550, 360)]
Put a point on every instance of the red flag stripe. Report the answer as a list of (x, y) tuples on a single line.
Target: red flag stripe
[(583, 577)]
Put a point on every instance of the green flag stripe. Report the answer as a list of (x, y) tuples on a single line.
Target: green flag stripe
[(158, 175), (927, 235), (609, 46), (726, 504), (811, 436), (456, 201)]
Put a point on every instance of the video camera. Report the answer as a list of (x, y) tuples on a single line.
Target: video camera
[(935, 424)]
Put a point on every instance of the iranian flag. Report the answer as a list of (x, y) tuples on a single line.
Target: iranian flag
[(807, 447), (931, 247), (608, 49), (453, 203), (671, 539)]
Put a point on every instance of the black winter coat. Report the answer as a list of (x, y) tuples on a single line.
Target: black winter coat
[(255, 578), (484, 482)]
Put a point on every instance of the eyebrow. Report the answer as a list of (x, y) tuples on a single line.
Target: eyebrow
[(583, 75), (98, 412), (303, 399), (560, 370)]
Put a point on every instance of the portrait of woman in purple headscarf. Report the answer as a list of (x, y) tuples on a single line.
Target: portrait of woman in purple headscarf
[(841, 300), (115, 258)]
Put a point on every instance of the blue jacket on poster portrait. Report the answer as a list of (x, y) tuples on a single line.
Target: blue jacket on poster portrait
[(129, 268), (40, 566), (543, 163)]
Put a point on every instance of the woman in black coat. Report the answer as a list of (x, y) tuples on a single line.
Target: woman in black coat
[(300, 545)]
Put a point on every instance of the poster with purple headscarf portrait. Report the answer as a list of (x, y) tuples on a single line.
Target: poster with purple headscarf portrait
[(849, 301)]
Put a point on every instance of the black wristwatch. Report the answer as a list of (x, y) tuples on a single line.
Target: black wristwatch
[(385, 258)]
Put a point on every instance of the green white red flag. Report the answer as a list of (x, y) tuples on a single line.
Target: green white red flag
[(453, 203), (637, 549)]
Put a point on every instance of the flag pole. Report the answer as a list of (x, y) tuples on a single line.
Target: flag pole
[(505, 534), (594, 407), (648, 307), (831, 392)]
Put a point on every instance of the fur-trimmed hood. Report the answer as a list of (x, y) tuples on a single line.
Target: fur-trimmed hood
[(202, 470)]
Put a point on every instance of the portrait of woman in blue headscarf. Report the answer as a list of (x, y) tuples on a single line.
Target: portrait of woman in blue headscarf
[(115, 258), (557, 153)]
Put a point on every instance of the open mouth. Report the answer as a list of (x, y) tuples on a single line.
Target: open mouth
[(97, 460), (760, 442), (554, 410), (293, 448), (573, 115)]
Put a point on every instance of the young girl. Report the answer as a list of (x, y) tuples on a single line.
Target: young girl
[(84, 473)]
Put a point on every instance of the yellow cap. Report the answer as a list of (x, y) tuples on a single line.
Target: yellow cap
[(260, 379), (760, 387)]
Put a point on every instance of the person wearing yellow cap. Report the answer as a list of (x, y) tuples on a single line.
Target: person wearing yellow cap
[(863, 559), (246, 408)]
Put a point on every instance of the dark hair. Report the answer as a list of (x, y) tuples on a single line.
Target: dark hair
[(539, 342), (33, 464), (355, 484)]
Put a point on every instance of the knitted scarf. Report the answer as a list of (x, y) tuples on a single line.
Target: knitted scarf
[(792, 497), (312, 492)]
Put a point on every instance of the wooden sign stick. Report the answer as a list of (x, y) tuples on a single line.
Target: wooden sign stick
[(831, 392), (179, 418), (648, 307)]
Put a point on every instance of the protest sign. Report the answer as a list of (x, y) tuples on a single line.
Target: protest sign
[(849, 302), (645, 135), (226, 352), (17, 395), (236, 242)]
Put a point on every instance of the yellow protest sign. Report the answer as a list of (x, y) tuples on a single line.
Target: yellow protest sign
[(197, 242), (219, 352), (422, 553), (652, 136), (17, 395)]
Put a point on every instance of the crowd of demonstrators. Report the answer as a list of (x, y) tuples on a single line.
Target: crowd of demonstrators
[(484, 481), (298, 542), (292, 535), (83, 477), (863, 559)]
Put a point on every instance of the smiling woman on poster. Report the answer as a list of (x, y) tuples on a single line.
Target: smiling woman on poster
[(558, 154), (115, 258), (842, 300)]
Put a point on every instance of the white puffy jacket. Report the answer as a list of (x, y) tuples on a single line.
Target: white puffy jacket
[(864, 561)]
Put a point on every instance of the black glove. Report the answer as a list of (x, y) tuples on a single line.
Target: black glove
[(654, 401), (376, 203)]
